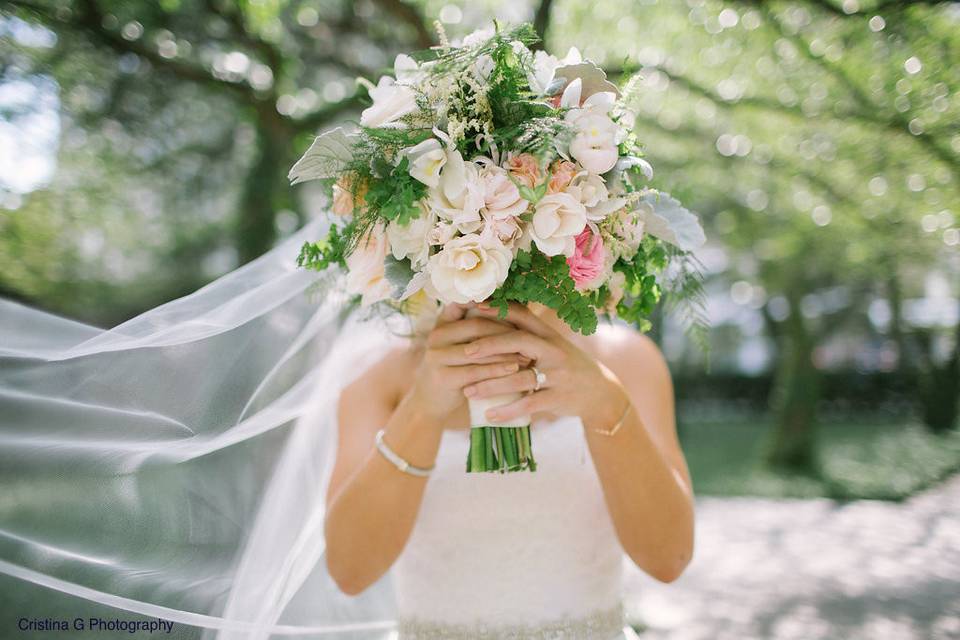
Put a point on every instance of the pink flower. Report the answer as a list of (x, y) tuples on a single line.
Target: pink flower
[(562, 175), (587, 261), (525, 169)]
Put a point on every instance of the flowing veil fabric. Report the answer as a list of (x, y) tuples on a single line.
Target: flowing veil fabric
[(176, 465)]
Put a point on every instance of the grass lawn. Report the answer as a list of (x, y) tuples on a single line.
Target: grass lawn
[(867, 460)]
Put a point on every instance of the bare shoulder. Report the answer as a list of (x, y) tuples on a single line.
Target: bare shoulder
[(632, 355)]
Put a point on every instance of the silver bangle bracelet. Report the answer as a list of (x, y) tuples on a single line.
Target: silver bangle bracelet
[(399, 462)]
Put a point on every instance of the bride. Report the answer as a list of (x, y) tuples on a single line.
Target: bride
[(519, 555), (255, 462), (200, 464)]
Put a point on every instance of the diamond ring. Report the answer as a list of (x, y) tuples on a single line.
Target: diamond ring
[(541, 378)]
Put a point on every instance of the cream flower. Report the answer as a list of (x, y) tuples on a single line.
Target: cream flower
[(412, 240), (349, 193), (595, 143), (544, 68), (507, 230), (441, 234), (468, 269), (558, 219), (342, 200), (458, 195), (562, 173), (525, 169), (391, 101), (501, 197), (365, 275), (589, 188), (426, 161), (617, 285)]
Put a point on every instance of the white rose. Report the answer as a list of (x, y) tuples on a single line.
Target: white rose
[(501, 197), (506, 230), (458, 196), (589, 188), (426, 161), (411, 240), (365, 275), (468, 269), (557, 219), (390, 102)]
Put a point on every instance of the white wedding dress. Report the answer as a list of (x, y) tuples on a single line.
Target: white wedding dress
[(518, 555)]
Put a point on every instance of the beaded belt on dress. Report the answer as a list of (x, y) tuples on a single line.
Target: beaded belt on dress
[(600, 625)]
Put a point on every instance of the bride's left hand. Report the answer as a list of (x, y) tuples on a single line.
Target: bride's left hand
[(576, 383)]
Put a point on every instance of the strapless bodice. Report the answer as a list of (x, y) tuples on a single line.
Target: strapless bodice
[(521, 555)]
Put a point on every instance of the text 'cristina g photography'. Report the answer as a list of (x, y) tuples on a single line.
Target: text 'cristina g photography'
[(121, 625)]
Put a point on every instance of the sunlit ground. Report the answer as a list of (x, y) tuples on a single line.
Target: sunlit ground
[(813, 570)]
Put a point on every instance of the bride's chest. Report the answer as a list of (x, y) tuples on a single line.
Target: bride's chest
[(565, 480)]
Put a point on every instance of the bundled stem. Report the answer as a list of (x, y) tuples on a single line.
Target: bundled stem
[(500, 449)]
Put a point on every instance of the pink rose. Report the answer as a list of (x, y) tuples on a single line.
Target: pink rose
[(525, 169), (587, 261), (562, 175)]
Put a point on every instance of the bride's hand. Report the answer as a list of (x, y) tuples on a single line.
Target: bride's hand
[(445, 369), (576, 383)]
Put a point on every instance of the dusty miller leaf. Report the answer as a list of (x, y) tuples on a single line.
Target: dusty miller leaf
[(665, 218), (327, 157)]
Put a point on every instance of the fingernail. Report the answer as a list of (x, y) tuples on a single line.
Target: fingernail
[(470, 391), (471, 349)]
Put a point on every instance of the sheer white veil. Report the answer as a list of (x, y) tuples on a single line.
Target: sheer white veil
[(176, 466)]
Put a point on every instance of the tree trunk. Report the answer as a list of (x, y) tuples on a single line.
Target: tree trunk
[(255, 224), (794, 398), (940, 390)]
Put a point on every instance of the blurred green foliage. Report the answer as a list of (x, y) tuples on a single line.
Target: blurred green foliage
[(857, 460), (818, 139)]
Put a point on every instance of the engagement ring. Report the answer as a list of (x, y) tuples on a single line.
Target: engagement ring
[(541, 378)]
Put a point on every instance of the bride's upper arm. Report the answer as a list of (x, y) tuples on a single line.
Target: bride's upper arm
[(364, 407), (640, 365)]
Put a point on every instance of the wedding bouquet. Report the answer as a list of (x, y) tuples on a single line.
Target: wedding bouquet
[(485, 172)]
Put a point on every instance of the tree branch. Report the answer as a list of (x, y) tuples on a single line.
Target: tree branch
[(541, 22), (91, 21), (868, 111), (270, 53), (878, 7)]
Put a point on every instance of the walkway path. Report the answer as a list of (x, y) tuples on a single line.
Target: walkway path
[(813, 570)]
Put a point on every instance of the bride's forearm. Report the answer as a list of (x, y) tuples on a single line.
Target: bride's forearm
[(649, 500), (370, 519)]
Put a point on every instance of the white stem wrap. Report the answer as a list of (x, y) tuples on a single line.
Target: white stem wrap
[(478, 407)]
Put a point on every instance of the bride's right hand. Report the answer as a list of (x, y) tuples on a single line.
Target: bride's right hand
[(445, 368)]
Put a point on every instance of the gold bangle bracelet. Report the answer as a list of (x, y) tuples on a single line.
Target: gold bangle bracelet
[(616, 427)]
